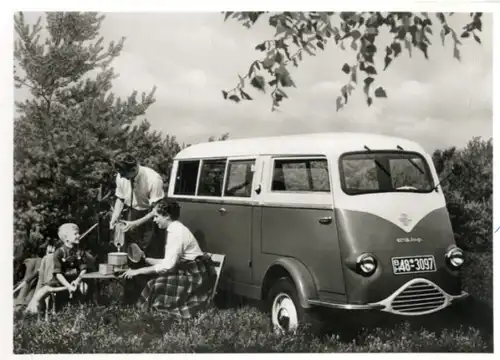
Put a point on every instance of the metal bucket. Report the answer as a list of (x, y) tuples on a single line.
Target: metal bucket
[(117, 258)]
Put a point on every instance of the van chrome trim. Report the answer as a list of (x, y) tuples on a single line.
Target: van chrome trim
[(345, 306), (419, 297), (416, 297)]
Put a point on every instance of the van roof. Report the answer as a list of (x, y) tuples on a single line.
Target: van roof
[(297, 144)]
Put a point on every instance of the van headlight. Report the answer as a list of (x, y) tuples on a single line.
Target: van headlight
[(455, 257), (366, 264)]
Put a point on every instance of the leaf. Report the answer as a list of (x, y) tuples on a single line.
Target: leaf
[(369, 101), (408, 46), (320, 45), (235, 98), (279, 29), (261, 47), (227, 15), (346, 68), (428, 29), (339, 103), (368, 81), (423, 47), (309, 51), (282, 93), (380, 92), (245, 96), (259, 83), (242, 82), (441, 17), (477, 39), (342, 45), (343, 90), (224, 94), (442, 36), (396, 47), (268, 63), (286, 80), (279, 57), (354, 77), (387, 61), (370, 70), (465, 34), (370, 49), (354, 46), (355, 34), (456, 53)]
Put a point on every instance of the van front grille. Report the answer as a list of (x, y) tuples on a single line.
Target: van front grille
[(419, 297)]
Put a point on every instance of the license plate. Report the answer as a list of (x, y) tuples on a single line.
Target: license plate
[(413, 264)]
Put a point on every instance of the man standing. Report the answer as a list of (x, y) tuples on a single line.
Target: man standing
[(138, 189)]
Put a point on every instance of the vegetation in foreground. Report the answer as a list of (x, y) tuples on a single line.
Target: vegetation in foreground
[(114, 329)]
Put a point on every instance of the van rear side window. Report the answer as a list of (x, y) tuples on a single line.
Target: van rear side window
[(187, 174), (301, 175), (239, 178), (212, 177)]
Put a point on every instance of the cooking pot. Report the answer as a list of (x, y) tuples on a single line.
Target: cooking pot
[(117, 258)]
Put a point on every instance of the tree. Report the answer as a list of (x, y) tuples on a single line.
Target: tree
[(300, 33), (68, 130)]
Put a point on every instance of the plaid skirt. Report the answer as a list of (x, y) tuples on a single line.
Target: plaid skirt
[(183, 290)]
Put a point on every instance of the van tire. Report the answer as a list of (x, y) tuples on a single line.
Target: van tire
[(286, 312)]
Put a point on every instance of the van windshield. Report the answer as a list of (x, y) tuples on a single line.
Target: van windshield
[(384, 171)]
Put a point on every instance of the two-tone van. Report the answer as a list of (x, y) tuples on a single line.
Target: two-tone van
[(348, 221)]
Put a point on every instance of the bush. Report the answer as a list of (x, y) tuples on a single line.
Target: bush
[(477, 276), (469, 193)]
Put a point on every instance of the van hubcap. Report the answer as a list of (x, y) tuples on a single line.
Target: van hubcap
[(284, 314)]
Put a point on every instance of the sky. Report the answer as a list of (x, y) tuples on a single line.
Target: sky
[(191, 57)]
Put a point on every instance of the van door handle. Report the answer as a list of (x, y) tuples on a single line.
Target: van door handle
[(222, 211), (325, 220)]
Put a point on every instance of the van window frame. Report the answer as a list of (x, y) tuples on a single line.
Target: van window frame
[(177, 174), (226, 177), (299, 157), (198, 181), (394, 152)]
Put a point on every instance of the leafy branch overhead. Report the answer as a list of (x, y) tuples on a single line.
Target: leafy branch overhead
[(300, 34)]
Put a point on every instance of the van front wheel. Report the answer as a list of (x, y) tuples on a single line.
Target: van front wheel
[(286, 312)]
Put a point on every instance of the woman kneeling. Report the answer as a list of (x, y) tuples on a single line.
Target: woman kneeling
[(186, 275)]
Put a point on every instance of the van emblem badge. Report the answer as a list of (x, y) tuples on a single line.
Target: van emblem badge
[(409, 240), (405, 220)]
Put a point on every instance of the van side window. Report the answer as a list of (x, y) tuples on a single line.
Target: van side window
[(212, 177), (187, 174), (239, 178), (300, 175)]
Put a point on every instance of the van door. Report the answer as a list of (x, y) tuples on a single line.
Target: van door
[(298, 219), (235, 219)]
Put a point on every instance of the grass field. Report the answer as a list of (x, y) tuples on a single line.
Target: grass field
[(244, 328)]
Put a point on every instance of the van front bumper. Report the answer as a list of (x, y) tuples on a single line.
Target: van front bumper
[(416, 297)]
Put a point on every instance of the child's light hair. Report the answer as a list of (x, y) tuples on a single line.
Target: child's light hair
[(65, 228)]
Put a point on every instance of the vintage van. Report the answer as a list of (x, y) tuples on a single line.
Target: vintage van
[(348, 221)]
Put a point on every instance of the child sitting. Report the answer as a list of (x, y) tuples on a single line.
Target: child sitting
[(68, 263)]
